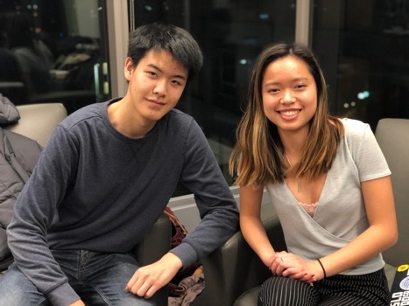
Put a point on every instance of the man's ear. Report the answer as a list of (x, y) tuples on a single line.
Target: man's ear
[(128, 69)]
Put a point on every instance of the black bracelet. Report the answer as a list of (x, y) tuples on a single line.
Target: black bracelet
[(323, 270)]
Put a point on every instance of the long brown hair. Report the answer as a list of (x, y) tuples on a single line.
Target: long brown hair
[(258, 156)]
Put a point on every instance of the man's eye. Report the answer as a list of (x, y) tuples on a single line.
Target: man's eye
[(175, 82)]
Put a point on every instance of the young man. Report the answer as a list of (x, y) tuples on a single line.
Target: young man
[(106, 175)]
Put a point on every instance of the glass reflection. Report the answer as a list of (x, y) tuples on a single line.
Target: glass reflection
[(362, 45), (59, 47)]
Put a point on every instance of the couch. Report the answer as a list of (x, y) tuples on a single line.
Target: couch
[(233, 273), (37, 121)]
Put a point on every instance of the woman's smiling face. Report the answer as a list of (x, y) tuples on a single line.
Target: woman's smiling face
[(289, 93)]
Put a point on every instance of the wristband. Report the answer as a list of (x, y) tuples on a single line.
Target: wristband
[(323, 270)]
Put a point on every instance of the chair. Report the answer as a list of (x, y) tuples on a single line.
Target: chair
[(393, 138), (234, 272), (71, 99), (37, 121), (153, 247)]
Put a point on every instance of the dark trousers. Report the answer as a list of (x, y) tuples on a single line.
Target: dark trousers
[(339, 290)]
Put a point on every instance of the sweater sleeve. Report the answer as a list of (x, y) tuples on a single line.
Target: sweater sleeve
[(218, 210), (35, 209)]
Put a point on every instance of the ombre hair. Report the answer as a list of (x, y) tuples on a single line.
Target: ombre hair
[(258, 156)]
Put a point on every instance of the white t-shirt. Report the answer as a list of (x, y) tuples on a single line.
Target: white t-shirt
[(340, 215)]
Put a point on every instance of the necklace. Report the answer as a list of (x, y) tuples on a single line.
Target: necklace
[(298, 178)]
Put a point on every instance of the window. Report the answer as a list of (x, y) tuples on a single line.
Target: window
[(231, 35), (61, 50), (362, 46)]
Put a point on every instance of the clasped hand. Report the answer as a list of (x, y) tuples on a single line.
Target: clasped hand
[(292, 266)]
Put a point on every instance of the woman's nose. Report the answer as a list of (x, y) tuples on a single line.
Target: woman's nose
[(288, 97)]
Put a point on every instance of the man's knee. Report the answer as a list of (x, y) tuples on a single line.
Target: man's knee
[(17, 289)]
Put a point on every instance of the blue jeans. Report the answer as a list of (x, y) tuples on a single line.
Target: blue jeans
[(99, 279)]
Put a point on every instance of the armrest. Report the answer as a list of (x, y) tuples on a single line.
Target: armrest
[(71, 99), (153, 247), (38, 121), (235, 268)]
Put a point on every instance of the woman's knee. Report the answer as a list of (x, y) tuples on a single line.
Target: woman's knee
[(284, 291)]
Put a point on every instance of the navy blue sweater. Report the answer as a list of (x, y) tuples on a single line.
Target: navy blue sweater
[(96, 189)]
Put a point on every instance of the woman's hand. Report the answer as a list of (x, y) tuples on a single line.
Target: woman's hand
[(293, 266), (77, 303)]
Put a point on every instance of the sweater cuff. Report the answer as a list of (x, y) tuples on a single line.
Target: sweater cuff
[(62, 295), (186, 253)]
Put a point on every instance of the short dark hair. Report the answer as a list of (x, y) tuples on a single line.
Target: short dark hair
[(168, 37)]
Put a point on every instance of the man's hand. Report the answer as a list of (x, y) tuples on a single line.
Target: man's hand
[(149, 279)]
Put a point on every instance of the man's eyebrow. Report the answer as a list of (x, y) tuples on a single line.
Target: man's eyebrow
[(160, 70)]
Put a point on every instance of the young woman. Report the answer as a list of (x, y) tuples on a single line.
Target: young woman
[(327, 179)]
